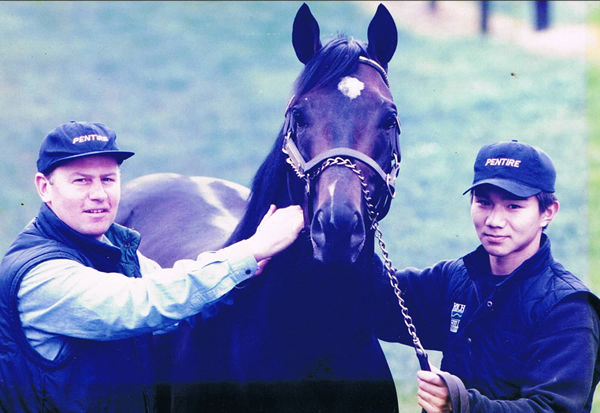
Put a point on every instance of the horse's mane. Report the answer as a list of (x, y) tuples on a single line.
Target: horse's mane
[(335, 60)]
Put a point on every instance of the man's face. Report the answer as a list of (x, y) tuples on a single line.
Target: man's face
[(84, 193), (508, 227)]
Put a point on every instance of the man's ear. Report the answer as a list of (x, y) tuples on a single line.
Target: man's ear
[(549, 213), (42, 184)]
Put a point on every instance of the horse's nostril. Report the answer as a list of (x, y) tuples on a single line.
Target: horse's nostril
[(357, 234), (343, 232), (317, 229)]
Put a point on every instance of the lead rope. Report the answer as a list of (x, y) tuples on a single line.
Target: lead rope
[(390, 270)]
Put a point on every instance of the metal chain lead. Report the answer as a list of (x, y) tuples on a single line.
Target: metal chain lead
[(391, 271)]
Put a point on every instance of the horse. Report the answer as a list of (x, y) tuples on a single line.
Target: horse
[(303, 335), (214, 211)]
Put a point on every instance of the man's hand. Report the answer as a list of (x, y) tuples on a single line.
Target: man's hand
[(278, 229), (432, 393)]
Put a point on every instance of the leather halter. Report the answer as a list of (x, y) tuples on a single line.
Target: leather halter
[(309, 170)]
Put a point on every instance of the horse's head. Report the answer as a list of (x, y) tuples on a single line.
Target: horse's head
[(341, 134)]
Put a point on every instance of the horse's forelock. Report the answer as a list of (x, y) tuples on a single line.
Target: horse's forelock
[(335, 60)]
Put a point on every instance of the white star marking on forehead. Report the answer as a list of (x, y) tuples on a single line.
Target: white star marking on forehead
[(351, 87)]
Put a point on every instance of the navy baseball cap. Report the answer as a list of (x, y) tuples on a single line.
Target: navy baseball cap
[(74, 140), (519, 168)]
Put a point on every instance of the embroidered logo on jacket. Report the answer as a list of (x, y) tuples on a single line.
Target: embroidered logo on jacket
[(455, 316)]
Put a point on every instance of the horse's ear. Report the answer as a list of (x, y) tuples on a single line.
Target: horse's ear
[(305, 34), (383, 36)]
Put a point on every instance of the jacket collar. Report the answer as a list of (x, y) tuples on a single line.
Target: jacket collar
[(478, 261), (103, 256)]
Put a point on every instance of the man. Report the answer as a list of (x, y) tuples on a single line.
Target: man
[(518, 332), (78, 303)]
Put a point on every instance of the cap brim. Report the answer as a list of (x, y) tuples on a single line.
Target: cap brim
[(515, 188), (120, 156)]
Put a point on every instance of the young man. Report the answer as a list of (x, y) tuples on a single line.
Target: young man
[(78, 303), (518, 332)]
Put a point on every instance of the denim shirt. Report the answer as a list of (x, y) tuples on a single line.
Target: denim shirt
[(63, 297)]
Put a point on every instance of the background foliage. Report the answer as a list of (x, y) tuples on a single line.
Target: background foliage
[(199, 88)]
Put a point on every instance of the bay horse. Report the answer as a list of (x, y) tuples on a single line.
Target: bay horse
[(303, 335)]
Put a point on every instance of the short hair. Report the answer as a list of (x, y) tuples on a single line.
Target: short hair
[(545, 199)]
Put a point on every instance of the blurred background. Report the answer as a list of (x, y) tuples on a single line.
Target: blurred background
[(199, 88)]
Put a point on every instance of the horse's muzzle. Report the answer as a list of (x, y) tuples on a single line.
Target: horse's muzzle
[(337, 235)]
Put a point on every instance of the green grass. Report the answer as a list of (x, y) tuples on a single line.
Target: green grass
[(593, 119), (199, 88)]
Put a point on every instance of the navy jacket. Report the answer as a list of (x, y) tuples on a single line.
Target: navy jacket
[(94, 376), (527, 343)]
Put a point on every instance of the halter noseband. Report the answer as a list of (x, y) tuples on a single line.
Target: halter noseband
[(309, 170)]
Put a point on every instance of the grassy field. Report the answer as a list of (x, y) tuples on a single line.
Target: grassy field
[(199, 88), (593, 119)]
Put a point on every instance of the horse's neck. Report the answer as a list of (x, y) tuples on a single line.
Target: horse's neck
[(369, 248)]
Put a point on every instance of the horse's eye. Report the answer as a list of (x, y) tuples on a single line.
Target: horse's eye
[(390, 122), (299, 118)]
